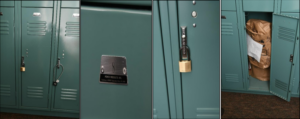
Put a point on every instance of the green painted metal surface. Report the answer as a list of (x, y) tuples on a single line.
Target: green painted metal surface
[(124, 2), (67, 90), (40, 3), (228, 5), (258, 5), (284, 32), (168, 10), (232, 76), (290, 6), (36, 46), (7, 70), (119, 32), (40, 112), (200, 87), (70, 4), (160, 94), (7, 3)]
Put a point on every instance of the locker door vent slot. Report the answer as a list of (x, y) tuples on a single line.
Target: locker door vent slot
[(72, 29), (68, 94), (37, 28), (35, 92), (5, 90), (281, 85), (208, 113), (232, 78), (4, 27), (227, 29), (286, 34)]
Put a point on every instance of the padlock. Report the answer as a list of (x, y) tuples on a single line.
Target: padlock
[(185, 65), (22, 69)]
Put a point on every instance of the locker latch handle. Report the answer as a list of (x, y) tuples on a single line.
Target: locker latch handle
[(223, 17), (1, 13), (22, 69), (183, 42)]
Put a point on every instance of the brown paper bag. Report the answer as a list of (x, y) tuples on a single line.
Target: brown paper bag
[(260, 74), (264, 63), (259, 30)]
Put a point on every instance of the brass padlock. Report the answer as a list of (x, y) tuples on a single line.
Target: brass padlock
[(185, 65), (22, 69)]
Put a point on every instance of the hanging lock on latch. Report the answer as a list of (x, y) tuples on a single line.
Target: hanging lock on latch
[(184, 65), (22, 69)]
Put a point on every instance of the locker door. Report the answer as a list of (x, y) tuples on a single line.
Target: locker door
[(284, 43), (36, 47), (160, 98), (67, 90), (200, 87), (7, 74), (231, 54), (119, 32)]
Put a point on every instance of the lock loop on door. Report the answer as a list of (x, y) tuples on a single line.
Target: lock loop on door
[(184, 65), (22, 69)]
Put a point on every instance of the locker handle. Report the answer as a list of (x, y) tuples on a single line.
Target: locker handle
[(1, 13), (223, 17)]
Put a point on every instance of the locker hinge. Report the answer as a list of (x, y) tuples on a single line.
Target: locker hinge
[(291, 58)]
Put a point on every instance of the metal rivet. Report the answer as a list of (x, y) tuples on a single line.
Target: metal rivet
[(194, 24), (26, 52), (194, 2), (26, 49), (194, 14), (124, 70)]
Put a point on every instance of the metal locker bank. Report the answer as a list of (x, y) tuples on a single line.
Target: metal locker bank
[(284, 65), (40, 57), (186, 82), (116, 60)]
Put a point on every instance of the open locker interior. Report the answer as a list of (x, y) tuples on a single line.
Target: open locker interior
[(256, 84)]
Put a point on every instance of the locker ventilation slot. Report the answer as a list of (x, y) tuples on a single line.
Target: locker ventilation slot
[(281, 85), (286, 34), (5, 90), (207, 113), (4, 27), (72, 29), (35, 92), (37, 28), (68, 94), (232, 78), (227, 29)]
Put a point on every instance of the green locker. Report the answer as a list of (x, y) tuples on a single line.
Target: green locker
[(201, 86), (67, 90), (42, 3), (284, 33), (116, 32), (284, 77), (232, 76), (160, 98), (258, 5), (36, 50), (192, 94), (7, 71), (40, 32)]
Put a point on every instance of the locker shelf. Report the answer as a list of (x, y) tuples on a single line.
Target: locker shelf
[(257, 85)]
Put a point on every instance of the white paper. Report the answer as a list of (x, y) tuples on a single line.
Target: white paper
[(254, 48)]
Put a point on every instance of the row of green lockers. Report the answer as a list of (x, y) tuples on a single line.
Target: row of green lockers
[(284, 76), (41, 32)]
